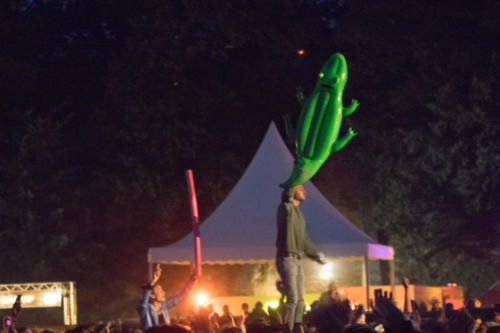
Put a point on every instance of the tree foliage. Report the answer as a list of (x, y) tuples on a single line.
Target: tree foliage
[(429, 73), (106, 103)]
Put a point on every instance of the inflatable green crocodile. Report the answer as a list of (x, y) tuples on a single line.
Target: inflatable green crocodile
[(319, 122)]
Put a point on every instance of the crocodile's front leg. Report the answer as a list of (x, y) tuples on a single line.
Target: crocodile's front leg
[(346, 111)]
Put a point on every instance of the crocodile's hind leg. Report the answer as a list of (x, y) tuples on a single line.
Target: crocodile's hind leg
[(290, 130)]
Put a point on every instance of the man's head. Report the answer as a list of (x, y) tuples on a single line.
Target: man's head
[(158, 294), (296, 193), (300, 193)]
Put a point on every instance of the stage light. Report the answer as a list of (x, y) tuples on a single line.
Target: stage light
[(301, 52), (27, 299), (271, 304), (51, 298), (201, 299), (8, 300), (35, 295), (326, 271), (35, 299)]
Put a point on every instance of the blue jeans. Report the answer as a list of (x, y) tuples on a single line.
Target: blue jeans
[(292, 275)]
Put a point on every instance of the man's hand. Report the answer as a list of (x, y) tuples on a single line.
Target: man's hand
[(461, 322), (322, 259), (387, 310), (357, 313), (156, 275), (406, 282), (16, 308)]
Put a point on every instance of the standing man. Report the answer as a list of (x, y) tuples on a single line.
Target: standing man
[(293, 244), (154, 305)]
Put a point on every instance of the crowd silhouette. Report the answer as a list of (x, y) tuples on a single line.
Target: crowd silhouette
[(330, 313)]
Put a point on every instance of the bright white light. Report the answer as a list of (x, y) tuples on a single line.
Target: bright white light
[(308, 308), (51, 298), (27, 299), (326, 271), (7, 300), (201, 299), (272, 304)]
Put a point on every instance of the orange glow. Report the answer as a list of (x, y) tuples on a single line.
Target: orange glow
[(201, 299), (301, 52)]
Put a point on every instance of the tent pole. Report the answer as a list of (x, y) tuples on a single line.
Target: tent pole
[(366, 279), (392, 277)]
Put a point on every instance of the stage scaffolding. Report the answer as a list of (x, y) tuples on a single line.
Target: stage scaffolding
[(42, 295)]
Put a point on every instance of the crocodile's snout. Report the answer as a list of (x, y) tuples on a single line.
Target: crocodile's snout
[(333, 71)]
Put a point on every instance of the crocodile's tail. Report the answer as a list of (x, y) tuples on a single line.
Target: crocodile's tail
[(303, 170)]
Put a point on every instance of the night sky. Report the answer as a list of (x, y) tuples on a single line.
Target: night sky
[(104, 104)]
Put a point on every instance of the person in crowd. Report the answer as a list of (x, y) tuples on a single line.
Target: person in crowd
[(293, 244), (226, 319), (198, 320), (328, 295), (258, 318), (245, 309), (275, 317), (26, 330), (449, 310), (496, 315), (232, 330), (154, 304), (8, 325), (213, 319), (167, 329)]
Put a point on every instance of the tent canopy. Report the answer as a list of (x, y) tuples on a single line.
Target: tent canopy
[(243, 228)]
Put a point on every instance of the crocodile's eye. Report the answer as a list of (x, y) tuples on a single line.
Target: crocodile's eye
[(321, 75)]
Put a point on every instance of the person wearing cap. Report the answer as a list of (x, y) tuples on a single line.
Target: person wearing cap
[(293, 244)]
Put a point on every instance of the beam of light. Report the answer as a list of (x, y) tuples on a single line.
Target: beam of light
[(27, 298), (51, 298), (201, 299), (326, 271), (271, 304), (8, 300)]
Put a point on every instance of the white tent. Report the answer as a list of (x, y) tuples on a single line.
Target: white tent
[(243, 228)]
